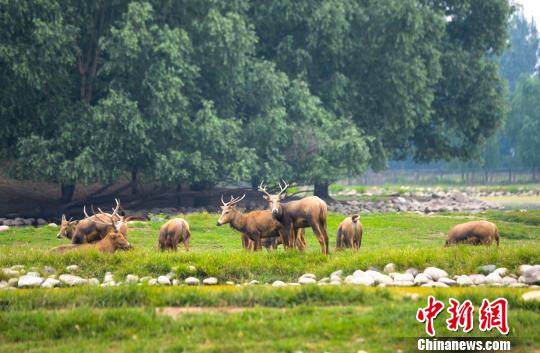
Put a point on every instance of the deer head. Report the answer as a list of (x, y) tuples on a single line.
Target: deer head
[(274, 201), (67, 228), (227, 210), (355, 218)]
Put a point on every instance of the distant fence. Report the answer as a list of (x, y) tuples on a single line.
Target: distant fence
[(428, 177)]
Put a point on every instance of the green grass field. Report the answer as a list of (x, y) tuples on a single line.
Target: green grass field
[(257, 318)]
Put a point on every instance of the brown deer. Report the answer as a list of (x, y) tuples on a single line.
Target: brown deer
[(307, 212), (349, 234), (67, 228), (273, 243), (475, 233), (254, 226), (171, 232), (113, 240), (94, 228)]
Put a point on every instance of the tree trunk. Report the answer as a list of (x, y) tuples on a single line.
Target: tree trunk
[(67, 192), (321, 190), (178, 198), (134, 182)]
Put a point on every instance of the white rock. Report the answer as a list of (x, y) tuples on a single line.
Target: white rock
[(501, 271), (72, 280), (4, 284), (523, 268), (17, 267), (108, 277), (493, 278), (363, 280), (13, 281), (132, 278), (4, 228), (29, 281), (192, 281), (8, 272), (508, 280), (152, 282), (533, 295), (175, 282), (254, 282), (192, 269), (307, 280), (335, 283), (72, 268), (54, 225), (145, 279), (229, 283), (308, 275), (435, 273), (390, 268), (402, 277), (334, 277), (464, 280), (108, 284), (48, 270), (50, 283), (447, 281), (293, 284), (478, 279), (358, 273), (93, 281), (379, 277), (338, 273), (413, 271), (324, 280), (33, 274), (210, 281), (532, 275), (164, 280), (421, 278), (278, 284)]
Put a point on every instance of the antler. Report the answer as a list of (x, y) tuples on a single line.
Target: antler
[(233, 200), (111, 217), (263, 189), (283, 189)]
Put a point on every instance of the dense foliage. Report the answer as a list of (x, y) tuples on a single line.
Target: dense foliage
[(201, 92)]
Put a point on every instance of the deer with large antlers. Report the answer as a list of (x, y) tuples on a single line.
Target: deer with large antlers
[(94, 228), (255, 226), (112, 241), (307, 212)]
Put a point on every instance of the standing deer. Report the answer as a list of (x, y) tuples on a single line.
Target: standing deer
[(307, 212), (349, 234), (94, 228), (171, 232), (112, 241), (254, 226)]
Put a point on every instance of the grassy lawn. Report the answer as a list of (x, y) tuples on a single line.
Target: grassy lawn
[(257, 318)]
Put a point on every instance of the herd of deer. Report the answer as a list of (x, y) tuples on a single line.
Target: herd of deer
[(282, 223)]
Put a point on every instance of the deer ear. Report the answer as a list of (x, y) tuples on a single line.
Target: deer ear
[(63, 217), (282, 196), (265, 197)]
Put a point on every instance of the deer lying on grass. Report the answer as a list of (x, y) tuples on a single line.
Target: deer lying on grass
[(255, 226), (307, 212), (349, 234), (475, 233), (94, 228), (171, 232), (113, 240)]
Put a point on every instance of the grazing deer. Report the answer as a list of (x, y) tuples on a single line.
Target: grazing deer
[(307, 212), (113, 240), (254, 226), (67, 228), (170, 233), (349, 234), (94, 228), (475, 233)]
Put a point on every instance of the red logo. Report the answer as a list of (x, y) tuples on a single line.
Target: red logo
[(494, 315), (491, 315), (429, 313)]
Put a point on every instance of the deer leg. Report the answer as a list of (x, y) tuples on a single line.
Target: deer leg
[(320, 237), (185, 240)]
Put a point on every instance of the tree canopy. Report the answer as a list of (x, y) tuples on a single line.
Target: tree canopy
[(202, 92)]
